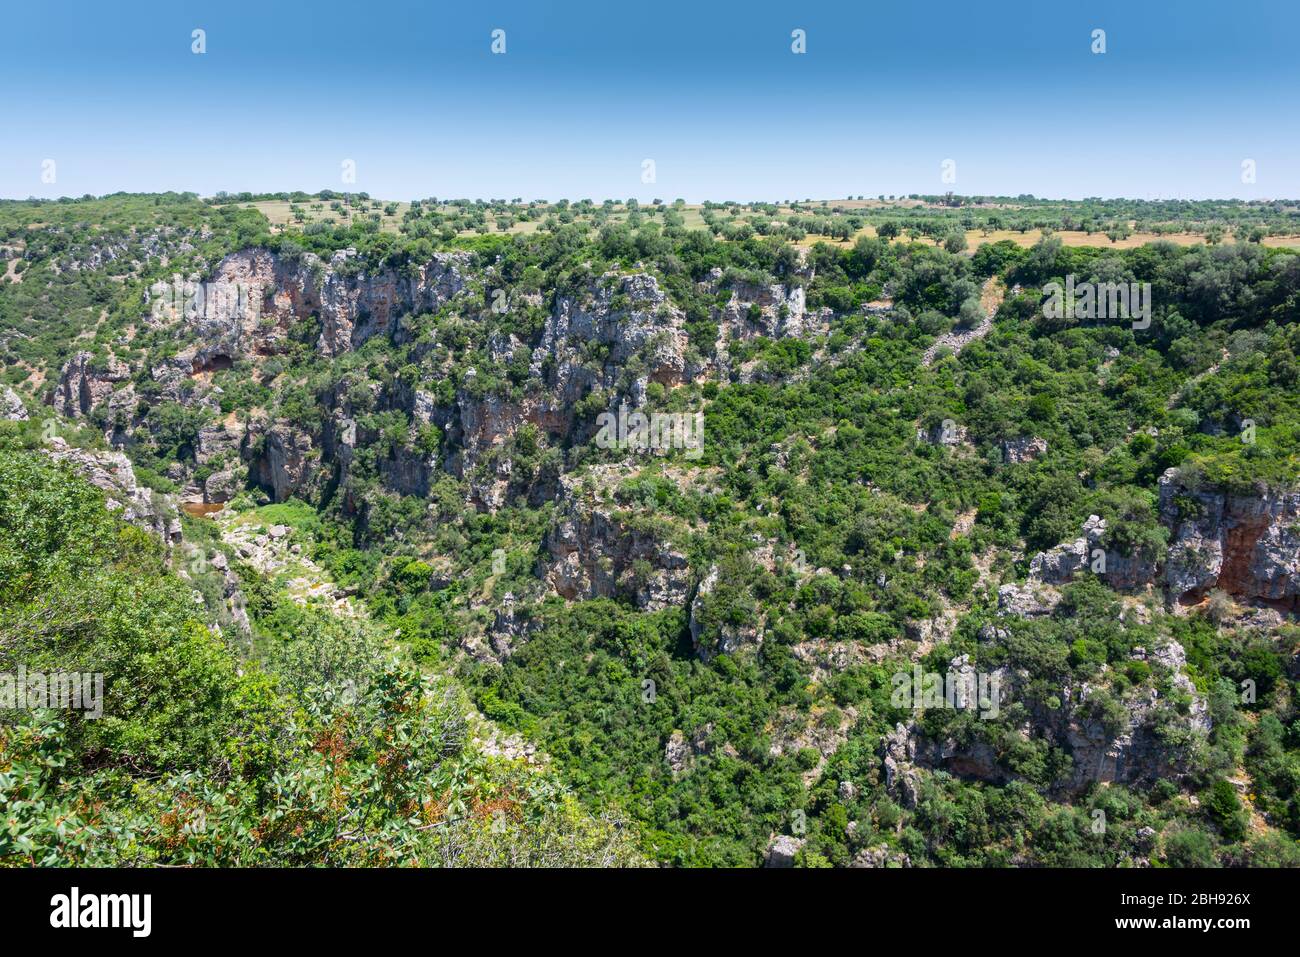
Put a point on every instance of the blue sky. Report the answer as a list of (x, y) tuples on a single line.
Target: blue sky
[(711, 92)]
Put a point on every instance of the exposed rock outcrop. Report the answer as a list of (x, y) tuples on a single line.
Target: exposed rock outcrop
[(282, 459), (600, 550), (1023, 449), (12, 408), (882, 855), (629, 314), (232, 593), (711, 639), (946, 433), (1029, 600), (1134, 740), (1089, 553), (783, 849), (616, 335), (84, 384), (112, 472), (216, 440), (351, 304), (512, 625), (1246, 545), (677, 752), (770, 310)]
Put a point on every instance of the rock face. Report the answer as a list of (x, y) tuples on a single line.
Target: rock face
[(1146, 738), (596, 551), (783, 850), (723, 639), (1138, 753), (221, 487), (512, 625), (677, 752), (626, 321), (902, 780), (881, 855), (352, 305), (943, 433), (283, 459), (1088, 553), (1030, 600), (611, 337), (1247, 545), (770, 310), (112, 472), (215, 441), (84, 385), (793, 731), (629, 314), (232, 594), (11, 406), (356, 306), (1060, 564), (680, 753)]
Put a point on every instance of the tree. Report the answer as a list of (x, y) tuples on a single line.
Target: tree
[(971, 314), (1224, 809)]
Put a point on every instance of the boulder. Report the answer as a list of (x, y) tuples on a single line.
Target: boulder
[(12, 408), (782, 851)]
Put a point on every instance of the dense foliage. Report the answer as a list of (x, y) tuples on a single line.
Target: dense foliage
[(820, 444), (329, 749)]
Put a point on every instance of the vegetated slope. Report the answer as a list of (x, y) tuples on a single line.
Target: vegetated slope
[(326, 747), (707, 639)]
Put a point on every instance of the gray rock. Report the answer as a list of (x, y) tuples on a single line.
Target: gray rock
[(284, 459), (12, 408), (1136, 750), (112, 472), (783, 850), (214, 440), (1030, 600), (881, 856), (1065, 562), (677, 752), (1023, 449), (84, 383), (594, 551), (222, 486), (1245, 544), (939, 435)]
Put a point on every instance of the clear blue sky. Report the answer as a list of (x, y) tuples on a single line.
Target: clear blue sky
[(709, 90)]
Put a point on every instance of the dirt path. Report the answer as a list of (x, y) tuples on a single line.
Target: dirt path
[(991, 296)]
